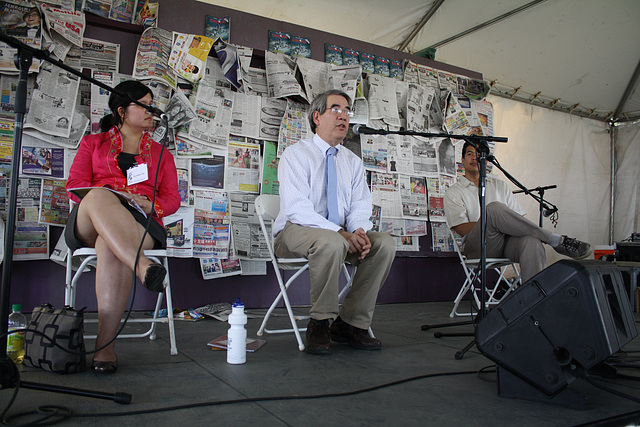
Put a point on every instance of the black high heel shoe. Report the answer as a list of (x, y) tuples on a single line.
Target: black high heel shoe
[(154, 277), (100, 367)]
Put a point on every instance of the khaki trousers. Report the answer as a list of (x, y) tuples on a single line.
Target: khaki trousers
[(327, 251), (512, 236)]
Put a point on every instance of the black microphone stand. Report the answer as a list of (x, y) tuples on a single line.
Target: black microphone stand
[(546, 209), (479, 142), (9, 375), (483, 152)]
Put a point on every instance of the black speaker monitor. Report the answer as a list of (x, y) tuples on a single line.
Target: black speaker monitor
[(563, 321)]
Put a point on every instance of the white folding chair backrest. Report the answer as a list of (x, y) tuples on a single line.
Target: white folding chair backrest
[(471, 284), (267, 207), (89, 257)]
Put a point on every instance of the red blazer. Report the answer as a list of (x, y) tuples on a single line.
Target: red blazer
[(96, 165)]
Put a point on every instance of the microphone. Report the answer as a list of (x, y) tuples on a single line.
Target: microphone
[(363, 130), (548, 212), (154, 111)]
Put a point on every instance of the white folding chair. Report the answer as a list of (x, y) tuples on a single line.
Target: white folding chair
[(267, 208), (88, 259), (471, 269)]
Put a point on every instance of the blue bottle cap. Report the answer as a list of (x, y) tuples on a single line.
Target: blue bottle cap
[(238, 303)]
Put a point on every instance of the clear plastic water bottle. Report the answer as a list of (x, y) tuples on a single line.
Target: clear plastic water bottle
[(15, 342), (237, 335)]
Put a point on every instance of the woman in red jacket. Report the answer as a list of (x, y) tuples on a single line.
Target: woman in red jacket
[(123, 158)]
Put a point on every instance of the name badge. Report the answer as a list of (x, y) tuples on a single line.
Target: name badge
[(138, 173)]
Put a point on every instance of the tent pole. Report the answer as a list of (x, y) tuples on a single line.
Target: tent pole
[(484, 24), (625, 96), (421, 24), (613, 132)]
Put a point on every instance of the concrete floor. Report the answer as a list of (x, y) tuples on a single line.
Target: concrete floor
[(414, 380)]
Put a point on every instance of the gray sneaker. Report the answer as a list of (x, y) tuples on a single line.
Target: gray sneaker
[(573, 248)]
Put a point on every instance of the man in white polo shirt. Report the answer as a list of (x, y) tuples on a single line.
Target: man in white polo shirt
[(509, 233)]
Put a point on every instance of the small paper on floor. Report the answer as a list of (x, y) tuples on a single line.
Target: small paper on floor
[(220, 343)]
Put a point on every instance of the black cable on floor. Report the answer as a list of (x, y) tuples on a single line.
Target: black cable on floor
[(610, 390), (51, 414), (489, 369), (630, 418), (13, 398), (49, 411), (625, 365)]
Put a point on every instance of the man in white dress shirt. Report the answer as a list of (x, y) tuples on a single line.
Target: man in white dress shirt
[(304, 230), (509, 233)]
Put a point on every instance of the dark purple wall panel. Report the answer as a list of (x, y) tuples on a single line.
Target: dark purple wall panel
[(414, 277)]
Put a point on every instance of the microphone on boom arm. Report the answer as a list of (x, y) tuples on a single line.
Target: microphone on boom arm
[(363, 130)]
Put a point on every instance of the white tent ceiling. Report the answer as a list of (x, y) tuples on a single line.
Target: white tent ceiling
[(577, 56)]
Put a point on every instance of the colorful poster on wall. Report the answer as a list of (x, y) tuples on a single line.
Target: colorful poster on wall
[(381, 66), (189, 55), (366, 61), (217, 28), (350, 57), (122, 10), (279, 42), (31, 239), (270, 183), (23, 22), (300, 46), (54, 202), (395, 70), (42, 160), (146, 13), (333, 54)]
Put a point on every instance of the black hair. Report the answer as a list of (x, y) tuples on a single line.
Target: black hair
[(466, 145), (134, 90)]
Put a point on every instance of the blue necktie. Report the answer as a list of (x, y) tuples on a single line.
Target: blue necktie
[(332, 186)]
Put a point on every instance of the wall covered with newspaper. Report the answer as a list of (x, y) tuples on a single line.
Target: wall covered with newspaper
[(232, 110)]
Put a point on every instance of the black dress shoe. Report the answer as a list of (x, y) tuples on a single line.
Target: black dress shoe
[(341, 331), (100, 367), (154, 277), (318, 341)]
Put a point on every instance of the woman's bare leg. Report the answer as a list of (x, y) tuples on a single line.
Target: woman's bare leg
[(105, 224), (113, 285), (102, 214)]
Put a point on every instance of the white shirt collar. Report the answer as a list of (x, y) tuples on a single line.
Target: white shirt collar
[(322, 144), (466, 182)]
